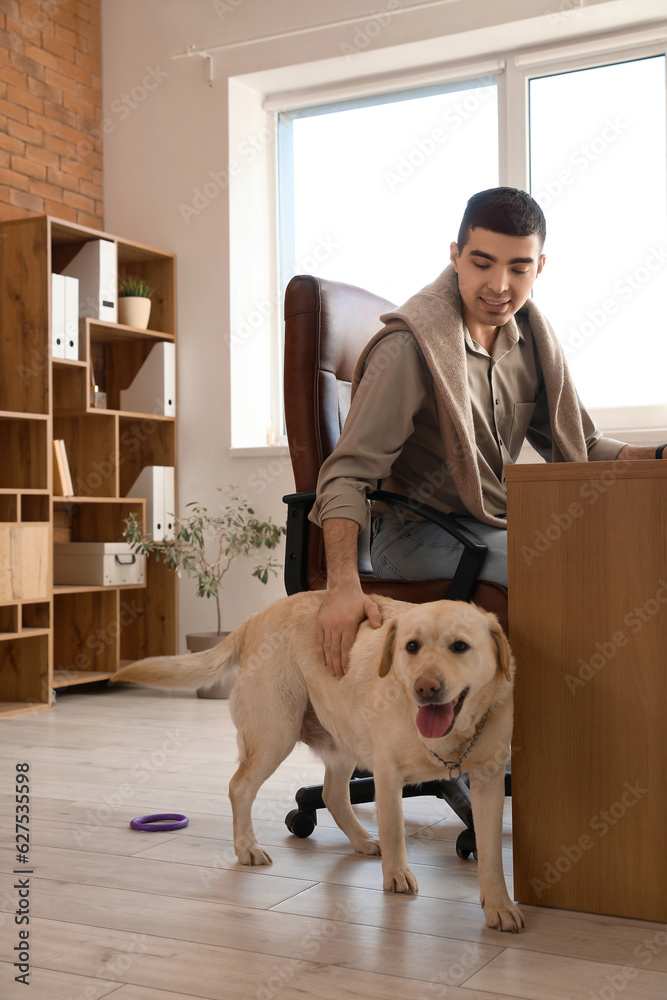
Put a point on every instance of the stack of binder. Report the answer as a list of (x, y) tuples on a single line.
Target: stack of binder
[(64, 317), (156, 484)]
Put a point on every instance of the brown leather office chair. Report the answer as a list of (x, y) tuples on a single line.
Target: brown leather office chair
[(327, 324)]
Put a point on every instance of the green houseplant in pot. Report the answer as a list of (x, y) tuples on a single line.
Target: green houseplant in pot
[(203, 546), (134, 302)]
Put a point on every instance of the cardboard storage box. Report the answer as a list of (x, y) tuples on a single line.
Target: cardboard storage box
[(97, 564)]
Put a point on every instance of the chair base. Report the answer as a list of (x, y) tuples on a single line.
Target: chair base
[(302, 821)]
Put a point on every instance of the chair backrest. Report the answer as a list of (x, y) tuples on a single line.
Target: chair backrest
[(327, 325)]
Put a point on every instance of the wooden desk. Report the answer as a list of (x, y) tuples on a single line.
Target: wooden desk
[(588, 626)]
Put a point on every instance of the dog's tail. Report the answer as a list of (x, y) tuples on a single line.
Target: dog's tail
[(191, 671)]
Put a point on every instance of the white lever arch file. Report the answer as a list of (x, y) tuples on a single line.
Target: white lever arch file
[(154, 387)]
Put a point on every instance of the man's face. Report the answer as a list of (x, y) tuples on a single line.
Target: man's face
[(496, 274)]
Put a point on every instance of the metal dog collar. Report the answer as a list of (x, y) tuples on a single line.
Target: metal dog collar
[(454, 766)]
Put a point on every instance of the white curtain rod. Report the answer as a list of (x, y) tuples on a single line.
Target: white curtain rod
[(205, 51)]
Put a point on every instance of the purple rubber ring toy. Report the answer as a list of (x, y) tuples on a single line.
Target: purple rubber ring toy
[(156, 823)]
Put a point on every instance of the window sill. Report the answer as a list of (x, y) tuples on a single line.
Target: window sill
[(262, 451), (634, 435)]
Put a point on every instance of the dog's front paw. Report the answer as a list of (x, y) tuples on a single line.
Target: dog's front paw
[(401, 880), (503, 916), (371, 848), (253, 855)]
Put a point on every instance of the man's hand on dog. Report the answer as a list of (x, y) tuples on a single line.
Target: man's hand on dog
[(342, 612)]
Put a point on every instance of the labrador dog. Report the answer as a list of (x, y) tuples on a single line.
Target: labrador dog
[(426, 696)]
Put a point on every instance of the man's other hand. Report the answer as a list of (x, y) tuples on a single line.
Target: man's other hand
[(341, 613)]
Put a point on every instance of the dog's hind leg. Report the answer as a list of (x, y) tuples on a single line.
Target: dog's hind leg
[(336, 796), (262, 750)]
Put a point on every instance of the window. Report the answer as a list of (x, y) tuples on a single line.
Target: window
[(373, 193), (598, 143)]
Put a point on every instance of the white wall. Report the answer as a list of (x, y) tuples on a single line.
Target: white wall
[(175, 139)]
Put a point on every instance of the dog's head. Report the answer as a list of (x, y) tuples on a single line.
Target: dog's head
[(452, 660)]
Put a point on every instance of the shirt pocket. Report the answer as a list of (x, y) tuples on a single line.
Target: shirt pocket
[(521, 418)]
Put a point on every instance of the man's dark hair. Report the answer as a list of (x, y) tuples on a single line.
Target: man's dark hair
[(503, 210)]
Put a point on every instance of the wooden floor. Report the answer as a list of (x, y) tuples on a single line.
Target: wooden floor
[(168, 916)]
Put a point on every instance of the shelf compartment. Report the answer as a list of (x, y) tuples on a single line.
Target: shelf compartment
[(117, 353), (36, 615), (24, 675), (70, 388), (122, 361), (144, 441), (24, 318), (102, 520), (23, 446), (63, 516), (72, 523), (35, 507), (9, 508), (155, 266), (92, 452), (159, 270), (86, 632), (25, 575), (67, 239), (9, 619), (153, 631)]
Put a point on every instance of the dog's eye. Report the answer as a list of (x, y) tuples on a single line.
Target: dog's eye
[(412, 646), (459, 646)]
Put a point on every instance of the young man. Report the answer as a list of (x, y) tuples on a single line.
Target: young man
[(443, 398)]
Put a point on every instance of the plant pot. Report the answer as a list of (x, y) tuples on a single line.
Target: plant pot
[(196, 643), (134, 310)]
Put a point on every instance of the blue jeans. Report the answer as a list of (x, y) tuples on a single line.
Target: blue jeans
[(419, 550)]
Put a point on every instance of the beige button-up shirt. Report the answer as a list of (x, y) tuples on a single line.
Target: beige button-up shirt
[(392, 438)]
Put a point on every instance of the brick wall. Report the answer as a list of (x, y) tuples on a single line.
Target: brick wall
[(50, 110)]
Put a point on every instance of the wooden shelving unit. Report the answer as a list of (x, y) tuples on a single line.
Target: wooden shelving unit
[(50, 636)]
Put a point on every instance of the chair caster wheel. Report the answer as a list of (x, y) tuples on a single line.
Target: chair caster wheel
[(301, 824), (466, 845)]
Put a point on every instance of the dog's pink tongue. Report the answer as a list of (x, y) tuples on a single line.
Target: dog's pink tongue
[(433, 721)]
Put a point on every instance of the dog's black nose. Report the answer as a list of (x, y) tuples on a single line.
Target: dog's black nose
[(428, 688)]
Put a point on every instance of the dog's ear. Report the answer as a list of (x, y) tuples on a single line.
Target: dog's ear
[(388, 649), (503, 654)]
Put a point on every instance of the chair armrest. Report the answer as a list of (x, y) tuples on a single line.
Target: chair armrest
[(299, 505), (474, 552), (296, 541)]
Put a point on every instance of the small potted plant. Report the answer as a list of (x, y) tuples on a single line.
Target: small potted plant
[(134, 302), (203, 546)]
